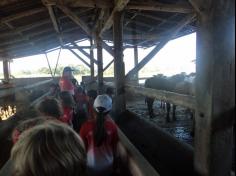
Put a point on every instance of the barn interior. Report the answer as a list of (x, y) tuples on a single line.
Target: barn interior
[(37, 27)]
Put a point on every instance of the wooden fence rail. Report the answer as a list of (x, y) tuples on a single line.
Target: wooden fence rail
[(11, 91), (171, 97), (138, 165)]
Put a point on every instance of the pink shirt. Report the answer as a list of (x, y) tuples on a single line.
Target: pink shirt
[(66, 85)]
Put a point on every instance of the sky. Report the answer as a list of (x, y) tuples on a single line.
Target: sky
[(176, 56)]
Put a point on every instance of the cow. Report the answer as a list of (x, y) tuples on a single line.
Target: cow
[(176, 83)]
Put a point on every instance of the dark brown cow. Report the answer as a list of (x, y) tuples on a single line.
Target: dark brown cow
[(161, 82)]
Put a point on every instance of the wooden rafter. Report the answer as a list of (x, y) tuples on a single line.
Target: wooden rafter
[(23, 28), (30, 36), (28, 27), (80, 58), (120, 5), (195, 6), (90, 3), (73, 47), (54, 22), (139, 23), (22, 14), (158, 26), (99, 18), (174, 8), (108, 48), (75, 18), (150, 6), (162, 43), (22, 37), (108, 65), (84, 52)]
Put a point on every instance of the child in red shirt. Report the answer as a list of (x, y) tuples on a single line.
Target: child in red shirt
[(100, 137), (68, 104)]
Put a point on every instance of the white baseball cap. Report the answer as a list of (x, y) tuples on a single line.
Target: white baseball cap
[(103, 101)]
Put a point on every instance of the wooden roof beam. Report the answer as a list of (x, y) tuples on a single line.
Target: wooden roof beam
[(55, 23), (88, 3), (84, 52), (99, 18), (157, 27), (150, 6), (156, 18), (23, 28), (196, 6), (6, 2), (23, 38), (162, 43), (120, 5), (141, 24), (75, 18), (174, 8), (73, 47), (22, 14), (21, 35), (80, 58), (53, 19)]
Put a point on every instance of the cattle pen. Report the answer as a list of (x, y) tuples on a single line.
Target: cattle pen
[(36, 27)]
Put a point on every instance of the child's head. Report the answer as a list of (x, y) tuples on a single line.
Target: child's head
[(68, 72), (50, 107), (92, 94), (102, 106), (80, 89), (49, 149), (66, 99), (109, 91), (27, 124)]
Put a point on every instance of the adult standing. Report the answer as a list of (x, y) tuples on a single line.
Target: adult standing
[(66, 81)]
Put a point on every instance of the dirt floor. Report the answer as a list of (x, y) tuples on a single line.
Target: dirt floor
[(181, 128)]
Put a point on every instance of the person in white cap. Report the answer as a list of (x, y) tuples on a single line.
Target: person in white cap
[(100, 137), (65, 82)]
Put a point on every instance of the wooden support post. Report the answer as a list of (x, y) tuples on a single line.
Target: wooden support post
[(162, 43), (215, 87), (119, 70), (136, 62), (100, 64), (120, 5), (91, 59), (6, 70)]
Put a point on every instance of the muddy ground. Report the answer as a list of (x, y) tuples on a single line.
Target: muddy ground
[(181, 128)]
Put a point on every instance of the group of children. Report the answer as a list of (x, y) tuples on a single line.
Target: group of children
[(54, 143)]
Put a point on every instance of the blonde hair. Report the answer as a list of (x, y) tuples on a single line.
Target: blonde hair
[(49, 149)]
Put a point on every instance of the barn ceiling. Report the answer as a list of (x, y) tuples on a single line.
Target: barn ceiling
[(29, 27)]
